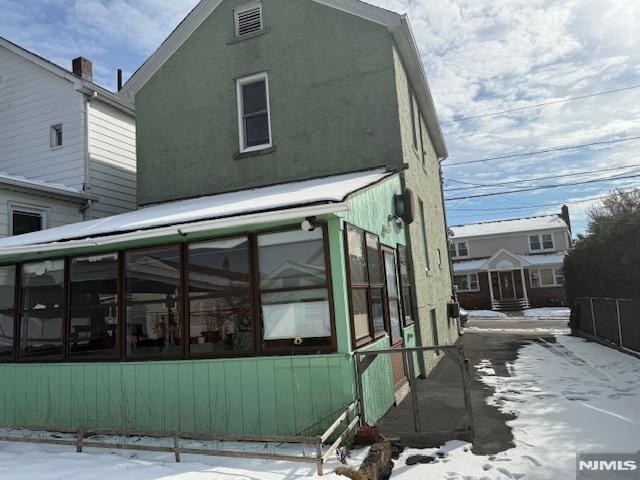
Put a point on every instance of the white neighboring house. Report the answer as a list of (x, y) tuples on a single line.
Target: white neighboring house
[(511, 264), (67, 146)]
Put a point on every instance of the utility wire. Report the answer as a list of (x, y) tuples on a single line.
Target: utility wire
[(530, 179), (531, 207), (537, 105), (544, 187), (548, 150)]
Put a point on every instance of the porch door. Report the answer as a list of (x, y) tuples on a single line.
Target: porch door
[(507, 288), (394, 326)]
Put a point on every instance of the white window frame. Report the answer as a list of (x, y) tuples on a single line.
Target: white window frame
[(241, 128), (541, 242), (457, 249), (244, 8), (22, 208), (555, 277), (53, 136), (469, 282)]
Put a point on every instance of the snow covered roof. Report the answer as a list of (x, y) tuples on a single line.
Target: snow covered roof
[(482, 264), (544, 222), (55, 189), (469, 265), (545, 259), (305, 198)]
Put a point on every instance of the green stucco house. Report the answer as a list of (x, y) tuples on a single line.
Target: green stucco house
[(291, 213)]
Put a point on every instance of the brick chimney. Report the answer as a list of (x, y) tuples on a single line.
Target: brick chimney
[(83, 68), (565, 216)]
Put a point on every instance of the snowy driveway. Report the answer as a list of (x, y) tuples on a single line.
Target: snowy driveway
[(568, 396)]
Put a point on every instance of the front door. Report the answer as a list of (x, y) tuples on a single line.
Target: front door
[(394, 317), (507, 288)]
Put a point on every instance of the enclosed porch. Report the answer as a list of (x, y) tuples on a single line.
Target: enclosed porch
[(228, 314)]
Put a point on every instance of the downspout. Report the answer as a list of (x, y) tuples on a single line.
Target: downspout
[(85, 210)]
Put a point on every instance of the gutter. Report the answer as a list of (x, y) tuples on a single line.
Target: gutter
[(93, 91), (60, 193), (183, 229)]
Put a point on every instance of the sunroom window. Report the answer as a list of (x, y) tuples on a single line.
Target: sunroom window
[(405, 285), (153, 314), (7, 301), (294, 294), (220, 297), (93, 323), (41, 311)]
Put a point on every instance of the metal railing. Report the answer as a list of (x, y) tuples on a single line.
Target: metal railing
[(182, 443), (364, 361)]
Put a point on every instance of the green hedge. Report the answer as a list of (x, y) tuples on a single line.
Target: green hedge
[(606, 262)]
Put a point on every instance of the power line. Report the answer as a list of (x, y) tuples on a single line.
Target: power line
[(533, 207), (530, 207), (537, 105), (544, 187), (548, 150), (530, 179)]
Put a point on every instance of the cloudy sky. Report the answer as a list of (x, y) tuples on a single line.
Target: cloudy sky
[(481, 57)]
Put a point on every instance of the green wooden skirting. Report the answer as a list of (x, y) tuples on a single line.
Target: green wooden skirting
[(254, 396)]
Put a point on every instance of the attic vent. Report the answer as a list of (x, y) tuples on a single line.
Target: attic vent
[(248, 19)]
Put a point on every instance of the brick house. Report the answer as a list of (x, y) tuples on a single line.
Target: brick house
[(511, 264)]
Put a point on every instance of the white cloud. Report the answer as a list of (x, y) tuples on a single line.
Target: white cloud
[(480, 56)]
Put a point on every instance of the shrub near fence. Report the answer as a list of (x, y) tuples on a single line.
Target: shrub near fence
[(615, 320)]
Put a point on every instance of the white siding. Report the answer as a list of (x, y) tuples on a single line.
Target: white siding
[(57, 212), (32, 100), (517, 243), (112, 153)]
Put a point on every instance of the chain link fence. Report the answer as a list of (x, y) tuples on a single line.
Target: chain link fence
[(614, 319)]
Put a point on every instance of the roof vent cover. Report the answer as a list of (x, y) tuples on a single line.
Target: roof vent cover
[(248, 19)]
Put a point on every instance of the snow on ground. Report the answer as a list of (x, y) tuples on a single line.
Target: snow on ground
[(548, 312), (570, 396), (522, 330), (486, 314), (19, 461)]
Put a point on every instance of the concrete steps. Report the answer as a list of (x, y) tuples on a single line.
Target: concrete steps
[(510, 304)]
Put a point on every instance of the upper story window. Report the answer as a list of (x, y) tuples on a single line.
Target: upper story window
[(248, 19), (56, 136), (458, 249), (26, 221), (253, 113), (541, 242)]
